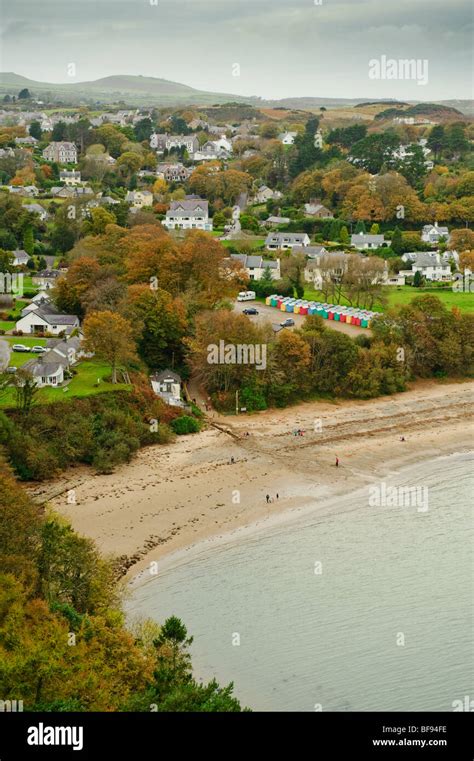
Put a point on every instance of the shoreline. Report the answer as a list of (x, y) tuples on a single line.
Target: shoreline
[(170, 499)]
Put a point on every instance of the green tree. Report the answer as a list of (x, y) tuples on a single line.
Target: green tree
[(35, 130), (397, 242), (24, 94)]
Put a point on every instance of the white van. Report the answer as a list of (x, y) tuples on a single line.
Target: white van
[(246, 296)]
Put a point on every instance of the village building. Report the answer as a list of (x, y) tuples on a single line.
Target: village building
[(167, 385), (62, 152), (188, 214), (275, 241), (255, 266)]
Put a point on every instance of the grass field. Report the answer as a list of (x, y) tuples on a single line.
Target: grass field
[(405, 294), (88, 381)]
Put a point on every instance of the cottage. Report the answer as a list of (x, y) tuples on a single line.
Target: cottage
[(276, 221), (312, 252), (255, 266), (45, 372), (275, 241), (167, 385), (62, 152), (70, 177), (316, 210), (434, 233), (364, 241), (36, 208), (191, 213), (264, 194), (20, 258)]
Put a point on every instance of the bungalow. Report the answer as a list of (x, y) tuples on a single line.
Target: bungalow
[(167, 385), (29, 140), (434, 233), (191, 213), (275, 221), (67, 351), (275, 241), (255, 266), (312, 252), (68, 191), (45, 372), (363, 241), (42, 320), (26, 191), (139, 198), (20, 258), (317, 210)]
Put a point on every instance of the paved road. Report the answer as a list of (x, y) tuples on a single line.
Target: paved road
[(266, 313)]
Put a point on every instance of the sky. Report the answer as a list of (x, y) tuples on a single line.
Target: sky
[(268, 48)]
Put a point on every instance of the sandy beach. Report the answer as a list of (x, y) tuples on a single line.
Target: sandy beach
[(169, 498)]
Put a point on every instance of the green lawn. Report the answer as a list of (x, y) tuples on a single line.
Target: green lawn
[(17, 358), (399, 296), (84, 383)]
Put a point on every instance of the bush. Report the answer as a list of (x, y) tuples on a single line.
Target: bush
[(185, 424)]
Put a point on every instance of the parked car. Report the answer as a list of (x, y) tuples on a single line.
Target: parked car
[(287, 323), (20, 347), (38, 349), (250, 310), (11, 369)]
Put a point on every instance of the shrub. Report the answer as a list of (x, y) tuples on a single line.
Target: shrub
[(185, 424)]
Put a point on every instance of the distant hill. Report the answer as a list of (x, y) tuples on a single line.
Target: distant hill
[(153, 91), (430, 110)]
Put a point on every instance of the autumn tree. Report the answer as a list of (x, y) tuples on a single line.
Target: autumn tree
[(109, 336)]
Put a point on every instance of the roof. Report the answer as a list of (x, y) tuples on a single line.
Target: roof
[(38, 367), (178, 208), (56, 319), (165, 375), (254, 261), (366, 238), (277, 237), (278, 220)]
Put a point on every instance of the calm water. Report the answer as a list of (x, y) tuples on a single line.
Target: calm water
[(330, 638)]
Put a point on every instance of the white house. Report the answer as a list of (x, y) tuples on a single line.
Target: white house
[(139, 198), (70, 177), (46, 278), (36, 208), (162, 142), (255, 266), (188, 214), (434, 233), (275, 241), (20, 258), (312, 252), (45, 373), (363, 241), (167, 385), (287, 138), (430, 264), (43, 321)]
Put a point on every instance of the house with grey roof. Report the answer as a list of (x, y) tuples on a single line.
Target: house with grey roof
[(367, 241), (434, 233), (165, 142), (42, 320), (255, 266), (429, 264), (45, 278), (312, 252), (45, 371), (275, 241), (188, 214), (36, 208), (72, 177), (317, 210), (63, 152), (276, 221), (20, 258)]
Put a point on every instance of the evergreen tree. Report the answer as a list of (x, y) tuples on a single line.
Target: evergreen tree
[(397, 242), (24, 94), (437, 140), (344, 236), (28, 240), (35, 130), (360, 226)]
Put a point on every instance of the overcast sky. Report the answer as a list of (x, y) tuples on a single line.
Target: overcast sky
[(283, 47)]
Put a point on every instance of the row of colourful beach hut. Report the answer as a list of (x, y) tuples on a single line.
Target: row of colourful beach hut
[(351, 315)]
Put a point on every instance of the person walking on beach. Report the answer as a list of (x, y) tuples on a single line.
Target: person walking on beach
[(268, 498), (337, 462), (277, 496)]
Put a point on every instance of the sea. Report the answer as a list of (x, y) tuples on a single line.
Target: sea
[(360, 604)]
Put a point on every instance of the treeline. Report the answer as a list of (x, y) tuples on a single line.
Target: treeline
[(63, 641), (422, 339), (103, 431)]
